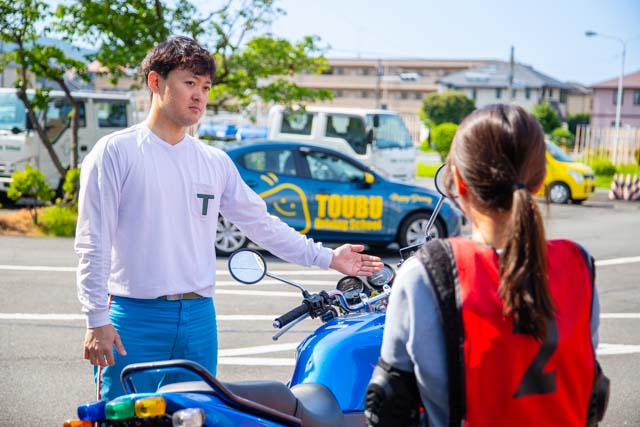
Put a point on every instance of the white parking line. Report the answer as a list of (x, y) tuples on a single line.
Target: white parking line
[(260, 349), (233, 283), (258, 293), (611, 349), (256, 361), (617, 261), (305, 272)]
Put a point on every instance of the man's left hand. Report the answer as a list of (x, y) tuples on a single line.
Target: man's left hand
[(348, 260)]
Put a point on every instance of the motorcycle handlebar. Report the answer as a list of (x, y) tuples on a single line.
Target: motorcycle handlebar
[(290, 316)]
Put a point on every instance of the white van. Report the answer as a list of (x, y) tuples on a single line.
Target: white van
[(99, 114), (378, 138)]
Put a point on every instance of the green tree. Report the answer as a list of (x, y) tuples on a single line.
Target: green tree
[(577, 119), (446, 107), (250, 62), (30, 184), (442, 137), (71, 187), (23, 22), (562, 136), (547, 116)]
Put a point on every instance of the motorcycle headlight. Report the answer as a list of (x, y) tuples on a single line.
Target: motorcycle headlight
[(577, 177), (190, 417)]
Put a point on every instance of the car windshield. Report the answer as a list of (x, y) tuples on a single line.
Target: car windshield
[(557, 153), (391, 132), (12, 112)]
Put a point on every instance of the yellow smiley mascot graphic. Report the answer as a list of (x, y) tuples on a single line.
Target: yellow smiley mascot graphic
[(288, 200)]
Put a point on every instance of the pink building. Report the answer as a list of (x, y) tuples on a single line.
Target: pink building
[(605, 96)]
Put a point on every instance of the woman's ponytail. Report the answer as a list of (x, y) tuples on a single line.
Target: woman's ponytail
[(524, 284)]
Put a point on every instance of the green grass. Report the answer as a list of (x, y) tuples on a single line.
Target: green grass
[(426, 171), (604, 181)]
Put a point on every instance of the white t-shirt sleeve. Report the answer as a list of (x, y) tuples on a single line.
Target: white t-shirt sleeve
[(242, 206), (100, 183)]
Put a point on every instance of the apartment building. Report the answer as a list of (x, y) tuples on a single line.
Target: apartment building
[(395, 84)]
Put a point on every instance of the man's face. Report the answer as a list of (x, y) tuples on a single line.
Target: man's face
[(182, 96)]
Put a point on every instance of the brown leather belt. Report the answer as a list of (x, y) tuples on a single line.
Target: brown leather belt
[(178, 297)]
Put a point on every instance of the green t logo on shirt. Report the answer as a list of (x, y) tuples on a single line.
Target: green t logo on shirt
[(205, 201)]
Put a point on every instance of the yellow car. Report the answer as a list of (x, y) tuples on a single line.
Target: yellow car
[(566, 179)]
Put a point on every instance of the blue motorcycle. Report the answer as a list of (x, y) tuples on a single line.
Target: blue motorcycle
[(333, 365)]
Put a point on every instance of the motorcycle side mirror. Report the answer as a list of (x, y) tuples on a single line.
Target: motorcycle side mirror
[(406, 253), (247, 266)]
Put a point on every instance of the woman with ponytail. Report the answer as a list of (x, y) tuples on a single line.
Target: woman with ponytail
[(499, 329)]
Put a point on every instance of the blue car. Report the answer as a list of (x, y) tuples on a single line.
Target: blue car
[(331, 197)]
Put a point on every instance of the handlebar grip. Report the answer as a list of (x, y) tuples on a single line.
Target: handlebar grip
[(290, 316)]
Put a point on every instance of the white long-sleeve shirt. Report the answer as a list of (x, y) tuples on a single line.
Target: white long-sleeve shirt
[(148, 214)]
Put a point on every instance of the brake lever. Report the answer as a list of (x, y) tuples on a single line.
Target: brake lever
[(289, 326)]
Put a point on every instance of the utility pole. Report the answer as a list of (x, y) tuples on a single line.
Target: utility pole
[(511, 66), (379, 72)]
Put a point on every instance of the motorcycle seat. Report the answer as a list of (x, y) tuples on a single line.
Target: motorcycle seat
[(314, 404)]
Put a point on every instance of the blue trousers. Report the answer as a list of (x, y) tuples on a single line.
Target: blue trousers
[(154, 330)]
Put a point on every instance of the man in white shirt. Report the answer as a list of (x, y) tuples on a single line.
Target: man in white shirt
[(148, 210)]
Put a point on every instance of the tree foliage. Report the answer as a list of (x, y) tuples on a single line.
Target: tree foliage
[(250, 62), (446, 107), (442, 137), (30, 184), (578, 119), (547, 116), (562, 136), (23, 22)]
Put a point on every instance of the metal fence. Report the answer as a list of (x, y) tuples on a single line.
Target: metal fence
[(598, 143)]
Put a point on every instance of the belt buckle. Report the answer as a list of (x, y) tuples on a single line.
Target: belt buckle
[(174, 297)]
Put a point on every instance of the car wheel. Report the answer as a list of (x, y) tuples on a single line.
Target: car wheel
[(412, 229), (559, 193), (228, 237)]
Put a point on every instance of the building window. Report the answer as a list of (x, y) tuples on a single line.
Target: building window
[(338, 94), (339, 71), (418, 95), (498, 93), (365, 71), (636, 97), (474, 93), (563, 96), (404, 95), (527, 92), (364, 94), (513, 93), (615, 97), (550, 93)]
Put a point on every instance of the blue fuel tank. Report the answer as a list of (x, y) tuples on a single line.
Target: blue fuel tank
[(341, 354)]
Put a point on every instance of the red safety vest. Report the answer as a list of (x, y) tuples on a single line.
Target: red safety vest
[(512, 379)]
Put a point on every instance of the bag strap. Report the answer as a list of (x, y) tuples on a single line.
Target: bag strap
[(440, 264)]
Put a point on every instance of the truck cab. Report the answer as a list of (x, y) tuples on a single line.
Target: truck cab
[(378, 138), (99, 115)]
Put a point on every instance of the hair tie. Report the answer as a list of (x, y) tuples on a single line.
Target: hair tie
[(518, 186)]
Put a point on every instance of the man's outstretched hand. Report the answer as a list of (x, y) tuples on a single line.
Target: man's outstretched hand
[(348, 260)]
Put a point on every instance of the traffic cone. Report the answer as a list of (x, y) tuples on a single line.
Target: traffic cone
[(626, 187), (634, 191), (615, 193)]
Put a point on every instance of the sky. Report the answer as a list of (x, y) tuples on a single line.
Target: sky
[(546, 34)]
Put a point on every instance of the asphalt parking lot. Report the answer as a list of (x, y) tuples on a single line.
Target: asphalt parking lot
[(41, 329)]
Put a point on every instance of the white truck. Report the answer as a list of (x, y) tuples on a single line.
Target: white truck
[(100, 114), (378, 138)]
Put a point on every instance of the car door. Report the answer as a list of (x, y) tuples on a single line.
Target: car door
[(343, 207), (273, 174)]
